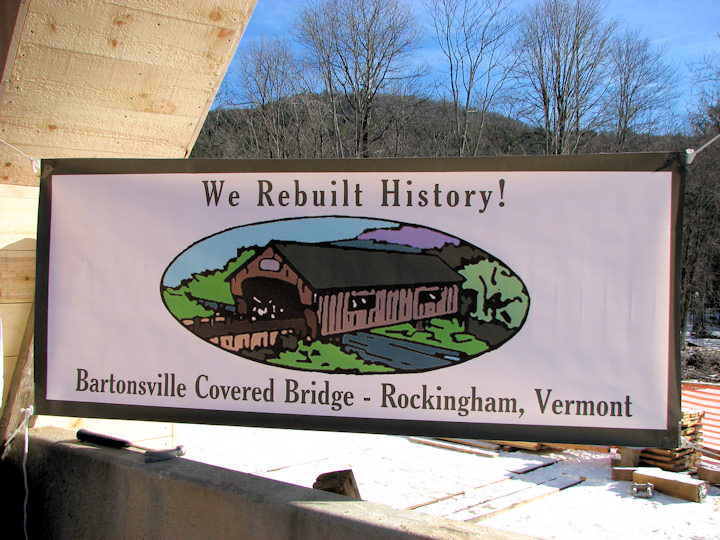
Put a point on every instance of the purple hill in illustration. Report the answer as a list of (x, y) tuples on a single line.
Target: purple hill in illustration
[(418, 237)]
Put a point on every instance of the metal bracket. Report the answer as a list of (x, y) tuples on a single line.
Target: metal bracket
[(644, 491)]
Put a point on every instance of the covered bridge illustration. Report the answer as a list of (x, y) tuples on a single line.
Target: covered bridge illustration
[(337, 289)]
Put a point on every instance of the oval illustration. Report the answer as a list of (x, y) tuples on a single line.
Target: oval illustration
[(345, 295)]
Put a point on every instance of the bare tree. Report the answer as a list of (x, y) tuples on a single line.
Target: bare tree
[(473, 36), (358, 47), (268, 80), (700, 285), (707, 84), (643, 91), (562, 54)]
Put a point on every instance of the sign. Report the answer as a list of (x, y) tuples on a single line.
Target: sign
[(507, 298)]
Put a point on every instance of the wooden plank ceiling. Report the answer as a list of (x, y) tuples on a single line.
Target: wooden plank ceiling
[(110, 78)]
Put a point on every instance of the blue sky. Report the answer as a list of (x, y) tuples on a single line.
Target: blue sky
[(686, 30)]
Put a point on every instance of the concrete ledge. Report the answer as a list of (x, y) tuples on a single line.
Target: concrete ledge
[(81, 491)]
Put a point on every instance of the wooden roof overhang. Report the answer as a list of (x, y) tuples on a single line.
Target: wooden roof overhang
[(110, 78)]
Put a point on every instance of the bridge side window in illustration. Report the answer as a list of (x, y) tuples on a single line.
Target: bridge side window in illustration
[(359, 302), (429, 297), (269, 264)]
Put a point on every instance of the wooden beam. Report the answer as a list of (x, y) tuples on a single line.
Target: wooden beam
[(672, 483), (21, 393), (18, 214), (342, 482), (12, 17), (125, 33), (17, 276)]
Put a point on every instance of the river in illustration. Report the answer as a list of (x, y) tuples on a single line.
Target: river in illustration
[(400, 354)]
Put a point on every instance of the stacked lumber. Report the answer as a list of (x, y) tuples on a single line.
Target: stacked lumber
[(678, 459), (523, 445)]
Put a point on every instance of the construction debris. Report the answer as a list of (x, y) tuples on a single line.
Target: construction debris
[(642, 490), (709, 473), (342, 482), (674, 484), (682, 458), (458, 447)]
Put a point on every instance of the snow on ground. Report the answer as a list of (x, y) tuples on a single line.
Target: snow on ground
[(393, 470)]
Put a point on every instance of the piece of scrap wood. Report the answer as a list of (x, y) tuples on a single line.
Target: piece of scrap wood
[(709, 473), (21, 391), (529, 467), (674, 484), (623, 473), (342, 482), (487, 445), (453, 446), (629, 457), (471, 497), (519, 498), (586, 447), (522, 445), (678, 466), (626, 473), (659, 453)]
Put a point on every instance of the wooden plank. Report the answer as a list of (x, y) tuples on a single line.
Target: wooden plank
[(65, 151), (629, 457), (220, 13), (19, 192), (14, 319), (93, 127), (16, 168), (17, 276), (471, 498), (623, 473), (709, 473), (540, 463), (112, 83), (12, 20), (665, 455), (522, 445), (672, 466), (342, 482), (503, 504), (9, 363), (104, 29), (473, 442), (674, 484), (586, 447), (453, 446), (21, 389), (18, 213)]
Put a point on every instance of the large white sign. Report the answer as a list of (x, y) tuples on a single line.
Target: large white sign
[(411, 296)]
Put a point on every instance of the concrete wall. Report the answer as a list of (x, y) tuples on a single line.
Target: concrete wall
[(82, 491)]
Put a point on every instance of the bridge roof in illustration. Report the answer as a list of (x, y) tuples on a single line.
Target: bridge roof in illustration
[(325, 266)]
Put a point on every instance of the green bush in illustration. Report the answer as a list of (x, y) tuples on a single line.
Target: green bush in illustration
[(501, 296), (212, 286), (209, 285), (448, 334), (183, 307)]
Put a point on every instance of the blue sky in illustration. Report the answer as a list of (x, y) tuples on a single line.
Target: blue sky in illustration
[(214, 252)]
